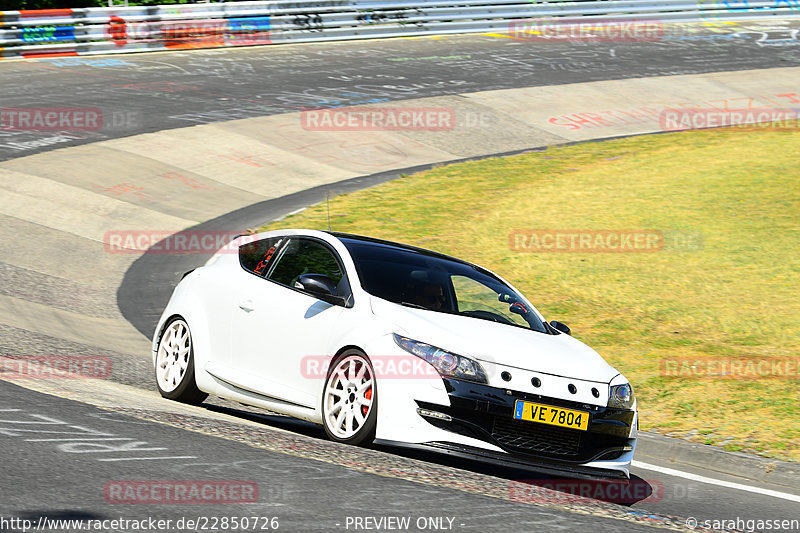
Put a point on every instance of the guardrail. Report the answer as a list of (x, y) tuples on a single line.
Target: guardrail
[(86, 31)]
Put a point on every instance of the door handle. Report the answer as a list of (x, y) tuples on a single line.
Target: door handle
[(247, 305)]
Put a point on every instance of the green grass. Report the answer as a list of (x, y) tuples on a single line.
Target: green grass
[(733, 296)]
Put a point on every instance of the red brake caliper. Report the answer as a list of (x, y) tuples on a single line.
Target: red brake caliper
[(368, 396)]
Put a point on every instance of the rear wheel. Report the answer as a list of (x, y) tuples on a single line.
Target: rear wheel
[(350, 399), (175, 364)]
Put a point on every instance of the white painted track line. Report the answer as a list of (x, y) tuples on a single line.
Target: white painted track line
[(712, 481)]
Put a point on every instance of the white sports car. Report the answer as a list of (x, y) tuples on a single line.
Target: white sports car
[(384, 342)]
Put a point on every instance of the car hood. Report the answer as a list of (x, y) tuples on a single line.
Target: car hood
[(560, 355)]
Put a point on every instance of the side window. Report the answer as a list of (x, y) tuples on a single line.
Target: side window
[(257, 256), (304, 256)]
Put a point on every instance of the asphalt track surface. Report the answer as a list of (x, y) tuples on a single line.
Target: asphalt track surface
[(303, 495), (307, 482), (157, 91)]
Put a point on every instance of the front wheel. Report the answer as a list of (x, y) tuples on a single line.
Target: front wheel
[(350, 399), (175, 364)]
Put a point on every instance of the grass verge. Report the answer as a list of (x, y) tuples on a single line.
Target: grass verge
[(722, 289)]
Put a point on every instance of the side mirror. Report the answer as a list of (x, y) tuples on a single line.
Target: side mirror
[(321, 286), (560, 326), (507, 298), (519, 308)]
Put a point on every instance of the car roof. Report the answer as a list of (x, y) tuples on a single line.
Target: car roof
[(361, 239)]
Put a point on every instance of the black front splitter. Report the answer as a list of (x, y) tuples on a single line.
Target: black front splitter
[(502, 459)]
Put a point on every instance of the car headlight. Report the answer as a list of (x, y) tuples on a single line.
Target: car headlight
[(448, 364), (621, 396)]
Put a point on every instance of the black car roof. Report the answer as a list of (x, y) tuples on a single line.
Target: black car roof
[(361, 239)]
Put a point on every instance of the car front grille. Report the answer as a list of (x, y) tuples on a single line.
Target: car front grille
[(540, 438)]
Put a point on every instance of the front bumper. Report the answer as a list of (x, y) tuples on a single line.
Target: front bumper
[(485, 413), (554, 468)]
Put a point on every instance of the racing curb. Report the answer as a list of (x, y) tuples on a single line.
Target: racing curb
[(678, 452)]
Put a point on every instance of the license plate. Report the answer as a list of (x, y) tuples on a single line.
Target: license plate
[(548, 414)]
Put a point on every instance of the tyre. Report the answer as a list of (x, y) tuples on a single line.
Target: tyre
[(350, 399), (175, 364)]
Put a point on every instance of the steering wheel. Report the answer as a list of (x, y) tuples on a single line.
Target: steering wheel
[(488, 315)]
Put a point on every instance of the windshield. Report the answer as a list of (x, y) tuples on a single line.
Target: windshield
[(429, 281)]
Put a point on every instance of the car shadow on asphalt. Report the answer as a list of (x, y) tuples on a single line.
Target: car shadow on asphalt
[(527, 484), (268, 418)]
